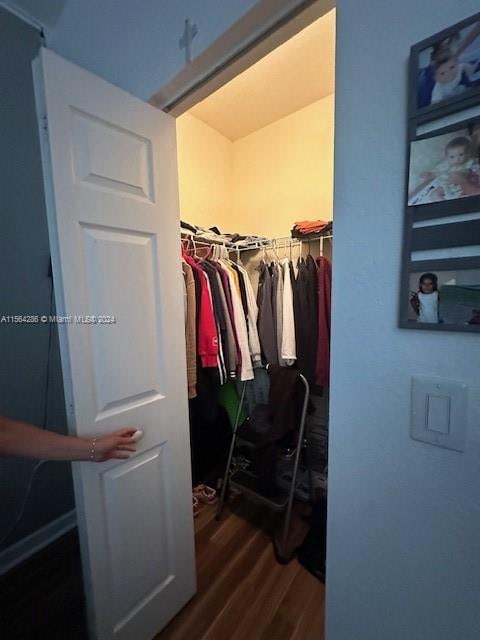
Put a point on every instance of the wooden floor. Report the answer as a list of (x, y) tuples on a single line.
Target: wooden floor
[(243, 592), (42, 599)]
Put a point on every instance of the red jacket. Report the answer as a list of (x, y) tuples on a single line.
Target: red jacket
[(207, 339)]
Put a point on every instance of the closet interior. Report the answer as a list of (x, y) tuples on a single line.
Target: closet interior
[(255, 163)]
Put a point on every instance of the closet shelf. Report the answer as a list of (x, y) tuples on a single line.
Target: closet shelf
[(273, 243)]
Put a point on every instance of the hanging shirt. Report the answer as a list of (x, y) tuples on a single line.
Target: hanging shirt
[(222, 272), (301, 314), (252, 317), (278, 311), (289, 353), (266, 327), (246, 370), (243, 292), (190, 329), (230, 345)]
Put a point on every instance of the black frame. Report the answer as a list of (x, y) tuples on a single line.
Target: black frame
[(459, 233), (467, 99), (446, 264)]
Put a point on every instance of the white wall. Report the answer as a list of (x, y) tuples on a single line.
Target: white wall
[(283, 173), (260, 184), (204, 173), (404, 517)]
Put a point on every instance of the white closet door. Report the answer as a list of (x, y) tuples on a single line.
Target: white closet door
[(111, 182)]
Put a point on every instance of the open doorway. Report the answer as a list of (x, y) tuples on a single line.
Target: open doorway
[(255, 158)]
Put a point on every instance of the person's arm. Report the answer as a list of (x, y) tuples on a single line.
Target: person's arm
[(27, 441), (474, 33), (415, 303)]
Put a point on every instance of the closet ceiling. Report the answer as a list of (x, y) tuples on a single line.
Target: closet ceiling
[(297, 73)]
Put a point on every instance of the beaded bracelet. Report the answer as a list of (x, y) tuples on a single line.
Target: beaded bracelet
[(92, 450)]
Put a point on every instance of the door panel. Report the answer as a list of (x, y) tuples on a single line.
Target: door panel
[(110, 157), (111, 181), (132, 259)]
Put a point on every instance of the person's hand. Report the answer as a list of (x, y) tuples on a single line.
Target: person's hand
[(427, 176), (115, 446), (415, 303)]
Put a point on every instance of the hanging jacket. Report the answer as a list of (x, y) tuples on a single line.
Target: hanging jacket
[(230, 345), (207, 337), (312, 304), (246, 370), (324, 284), (211, 273), (266, 328)]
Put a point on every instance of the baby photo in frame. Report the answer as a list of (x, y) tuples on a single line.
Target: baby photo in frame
[(448, 67), (445, 164)]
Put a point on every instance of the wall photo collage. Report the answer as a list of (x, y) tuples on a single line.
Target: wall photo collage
[(441, 254)]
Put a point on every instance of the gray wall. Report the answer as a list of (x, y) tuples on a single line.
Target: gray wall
[(404, 517), (25, 289), (134, 43)]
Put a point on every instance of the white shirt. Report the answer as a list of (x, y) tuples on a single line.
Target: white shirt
[(443, 90), (279, 314), (289, 347), (428, 307)]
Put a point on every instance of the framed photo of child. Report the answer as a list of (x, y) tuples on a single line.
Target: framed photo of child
[(446, 68), (445, 166), (444, 297), (440, 279)]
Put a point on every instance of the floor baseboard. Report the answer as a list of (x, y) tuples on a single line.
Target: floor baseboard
[(23, 549)]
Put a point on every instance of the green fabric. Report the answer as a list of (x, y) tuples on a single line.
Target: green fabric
[(458, 303), (230, 400)]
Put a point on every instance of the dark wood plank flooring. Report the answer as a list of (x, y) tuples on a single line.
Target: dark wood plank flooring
[(243, 592), (42, 599)]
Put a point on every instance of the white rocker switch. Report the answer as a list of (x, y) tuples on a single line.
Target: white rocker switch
[(439, 412)]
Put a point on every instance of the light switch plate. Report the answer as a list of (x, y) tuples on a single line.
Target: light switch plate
[(439, 412)]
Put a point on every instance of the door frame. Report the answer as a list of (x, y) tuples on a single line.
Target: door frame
[(267, 25), (272, 23)]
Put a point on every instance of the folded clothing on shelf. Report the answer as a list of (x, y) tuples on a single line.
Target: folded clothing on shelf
[(213, 234), (311, 228)]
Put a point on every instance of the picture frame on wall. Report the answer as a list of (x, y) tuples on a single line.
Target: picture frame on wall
[(440, 279), (446, 298), (444, 169), (445, 69)]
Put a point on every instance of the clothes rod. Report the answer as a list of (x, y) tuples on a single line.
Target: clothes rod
[(274, 243), (279, 243)]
